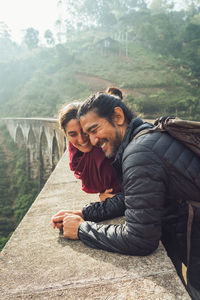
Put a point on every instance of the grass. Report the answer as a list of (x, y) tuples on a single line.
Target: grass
[(143, 74)]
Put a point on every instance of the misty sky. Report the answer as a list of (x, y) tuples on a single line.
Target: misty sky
[(22, 14)]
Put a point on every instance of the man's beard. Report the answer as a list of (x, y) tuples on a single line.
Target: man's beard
[(114, 145)]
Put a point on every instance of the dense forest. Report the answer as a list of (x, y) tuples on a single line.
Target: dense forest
[(151, 50), (16, 192)]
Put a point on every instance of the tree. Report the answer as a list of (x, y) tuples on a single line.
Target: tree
[(59, 28), (69, 29), (48, 35), (8, 48), (160, 6), (191, 6), (159, 32), (31, 38), (99, 13), (4, 30), (191, 33)]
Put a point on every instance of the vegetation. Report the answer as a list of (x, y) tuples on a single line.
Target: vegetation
[(154, 55), (150, 51), (16, 192)]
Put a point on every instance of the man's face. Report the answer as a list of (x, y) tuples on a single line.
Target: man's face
[(102, 133)]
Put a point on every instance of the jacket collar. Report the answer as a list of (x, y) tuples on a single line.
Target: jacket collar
[(133, 128)]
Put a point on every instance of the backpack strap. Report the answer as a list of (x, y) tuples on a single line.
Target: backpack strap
[(191, 205), (189, 230), (148, 130)]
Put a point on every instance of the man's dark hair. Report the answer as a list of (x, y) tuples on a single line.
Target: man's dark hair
[(114, 91), (103, 105)]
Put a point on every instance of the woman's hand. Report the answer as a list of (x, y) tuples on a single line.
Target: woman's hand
[(57, 219), (106, 194)]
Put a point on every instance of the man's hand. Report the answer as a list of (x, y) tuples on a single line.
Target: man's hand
[(71, 224), (57, 219), (106, 194)]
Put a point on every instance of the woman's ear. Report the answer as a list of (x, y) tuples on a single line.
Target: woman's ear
[(118, 117)]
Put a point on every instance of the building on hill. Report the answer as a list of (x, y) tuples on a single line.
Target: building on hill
[(108, 46)]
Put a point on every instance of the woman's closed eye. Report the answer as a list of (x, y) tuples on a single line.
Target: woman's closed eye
[(72, 134)]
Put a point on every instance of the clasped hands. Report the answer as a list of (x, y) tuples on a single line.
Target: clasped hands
[(69, 222)]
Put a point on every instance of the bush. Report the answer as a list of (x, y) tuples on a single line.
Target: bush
[(3, 241)]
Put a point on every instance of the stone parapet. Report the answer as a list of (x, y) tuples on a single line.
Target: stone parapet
[(38, 263)]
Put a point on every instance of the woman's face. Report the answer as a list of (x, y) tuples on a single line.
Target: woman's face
[(76, 136)]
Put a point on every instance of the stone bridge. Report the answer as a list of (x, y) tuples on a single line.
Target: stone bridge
[(44, 143), (38, 263)]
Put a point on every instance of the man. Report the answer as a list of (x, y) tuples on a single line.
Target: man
[(158, 175)]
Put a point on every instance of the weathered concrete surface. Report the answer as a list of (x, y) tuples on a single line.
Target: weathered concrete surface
[(37, 263)]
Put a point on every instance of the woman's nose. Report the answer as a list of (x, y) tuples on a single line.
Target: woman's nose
[(82, 138)]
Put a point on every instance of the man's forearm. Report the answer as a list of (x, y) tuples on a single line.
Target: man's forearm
[(108, 209), (114, 238)]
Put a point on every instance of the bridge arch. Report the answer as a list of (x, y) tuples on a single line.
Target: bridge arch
[(19, 137), (43, 141)]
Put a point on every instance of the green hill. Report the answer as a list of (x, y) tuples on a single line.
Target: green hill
[(38, 84), (151, 52)]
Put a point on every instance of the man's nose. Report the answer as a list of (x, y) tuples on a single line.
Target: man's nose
[(94, 140)]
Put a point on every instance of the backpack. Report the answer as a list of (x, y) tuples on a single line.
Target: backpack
[(188, 133)]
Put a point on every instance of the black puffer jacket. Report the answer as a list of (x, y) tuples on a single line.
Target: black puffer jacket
[(158, 173)]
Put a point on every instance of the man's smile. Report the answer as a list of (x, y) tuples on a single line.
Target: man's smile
[(102, 144)]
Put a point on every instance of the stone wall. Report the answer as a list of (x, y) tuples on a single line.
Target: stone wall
[(38, 263)]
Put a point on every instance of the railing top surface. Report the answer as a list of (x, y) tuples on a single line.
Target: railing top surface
[(38, 263)]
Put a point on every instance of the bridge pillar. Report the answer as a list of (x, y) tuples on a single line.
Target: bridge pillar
[(55, 152), (45, 159), (32, 155)]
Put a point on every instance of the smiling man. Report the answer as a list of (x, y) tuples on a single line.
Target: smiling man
[(107, 135), (158, 175)]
